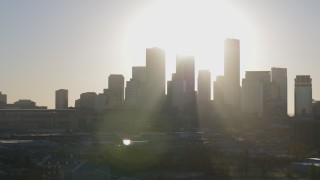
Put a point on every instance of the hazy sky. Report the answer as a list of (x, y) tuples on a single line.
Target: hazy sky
[(73, 44)]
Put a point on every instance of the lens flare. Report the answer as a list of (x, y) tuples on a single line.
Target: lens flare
[(126, 142)]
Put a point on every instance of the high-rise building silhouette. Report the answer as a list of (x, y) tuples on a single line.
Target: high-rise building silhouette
[(115, 89), (232, 73), (280, 84), (87, 100), (169, 99), (316, 110), (177, 93), (255, 92), (204, 86), (184, 84), (204, 108), (3, 100), (62, 99), (185, 70), (139, 73), (155, 79), (218, 87), (132, 92), (135, 88), (302, 95)]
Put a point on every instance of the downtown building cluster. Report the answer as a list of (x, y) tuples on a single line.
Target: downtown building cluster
[(260, 93)]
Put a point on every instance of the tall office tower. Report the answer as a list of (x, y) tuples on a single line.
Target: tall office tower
[(62, 99), (169, 93), (185, 70), (218, 87), (232, 73), (302, 95), (184, 84), (133, 92), (139, 73), (116, 89), (155, 79), (255, 92), (204, 86), (3, 100), (280, 84), (176, 92), (135, 87)]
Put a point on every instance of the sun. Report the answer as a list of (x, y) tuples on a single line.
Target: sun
[(187, 27)]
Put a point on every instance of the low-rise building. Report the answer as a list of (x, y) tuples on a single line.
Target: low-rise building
[(15, 119)]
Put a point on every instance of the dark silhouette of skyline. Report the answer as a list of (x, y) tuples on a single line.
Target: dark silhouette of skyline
[(263, 93)]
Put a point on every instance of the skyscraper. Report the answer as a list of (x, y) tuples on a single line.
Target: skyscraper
[(132, 92), (177, 93), (3, 100), (139, 73), (116, 89), (302, 95), (204, 86), (135, 87), (232, 73), (218, 87), (155, 78), (279, 79), (185, 70), (62, 99), (184, 84), (204, 95), (255, 92), (169, 94)]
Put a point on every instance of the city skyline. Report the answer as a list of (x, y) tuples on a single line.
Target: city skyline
[(39, 56)]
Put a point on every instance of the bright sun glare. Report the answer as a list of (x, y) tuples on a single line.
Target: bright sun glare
[(126, 142), (188, 27)]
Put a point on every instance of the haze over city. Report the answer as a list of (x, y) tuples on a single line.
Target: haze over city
[(76, 45), (159, 89)]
